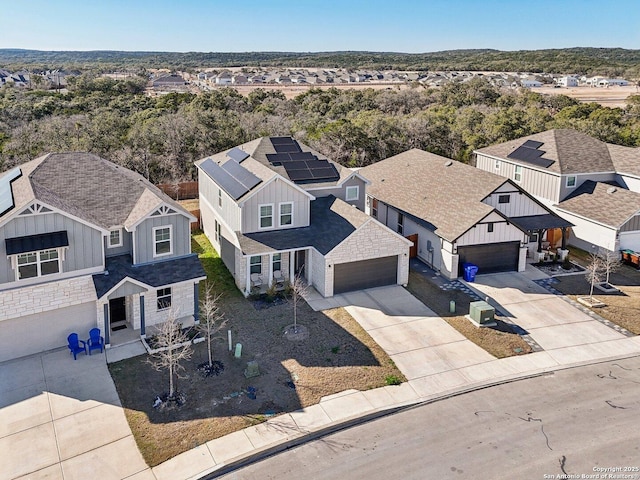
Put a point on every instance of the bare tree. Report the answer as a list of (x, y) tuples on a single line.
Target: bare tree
[(174, 348), (594, 272), (610, 263), (298, 287), (211, 318)]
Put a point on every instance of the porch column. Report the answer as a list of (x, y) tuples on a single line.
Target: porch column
[(248, 276), (564, 238), (107, 330), (307, 263), (196, 303), (270, 270), (142, 322), (539, 240), (292, 265)]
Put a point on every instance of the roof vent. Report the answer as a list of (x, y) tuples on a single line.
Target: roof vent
[(611, 190), (448, 163)]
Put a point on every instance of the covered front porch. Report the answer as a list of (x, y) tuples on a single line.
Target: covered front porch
[(548, 236), (276, 269)]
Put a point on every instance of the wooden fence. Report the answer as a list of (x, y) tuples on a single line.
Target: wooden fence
[(181, 191)]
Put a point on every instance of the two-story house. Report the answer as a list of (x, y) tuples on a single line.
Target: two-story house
[(274, 208), (593, 184), (85, 243), (457, 214)]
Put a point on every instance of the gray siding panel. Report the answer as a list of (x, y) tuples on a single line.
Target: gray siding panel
[(341, 192), (632, 225), (85, 242), (228, 254), (124, 249), (181, 237)]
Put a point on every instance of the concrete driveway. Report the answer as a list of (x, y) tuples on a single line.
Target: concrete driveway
[(62, 419), (419, 342), (551, 321)]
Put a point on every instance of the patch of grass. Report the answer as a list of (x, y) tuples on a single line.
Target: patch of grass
[(392, 380), (496, 341), (294, 374), (217, 272)]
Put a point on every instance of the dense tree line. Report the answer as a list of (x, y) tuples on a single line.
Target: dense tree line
[(587, 61), (161, 137)]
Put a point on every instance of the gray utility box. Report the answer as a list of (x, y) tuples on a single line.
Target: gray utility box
[(481, 312)]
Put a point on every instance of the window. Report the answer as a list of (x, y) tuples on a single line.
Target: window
[(490, 227), (497, 164), (37, 264), (255, 265), (164, 298), (217, 234), (400, 223), (533, 238), (286, 214), (518, 173), (219, 197), (571, 181), (266, 216), (374, 207), (504, 198), (162, 241), (352, 193), (115, 238), (277, 261)]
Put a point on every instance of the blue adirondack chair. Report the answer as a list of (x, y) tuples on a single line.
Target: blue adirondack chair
[(76, 346), (95, 341)]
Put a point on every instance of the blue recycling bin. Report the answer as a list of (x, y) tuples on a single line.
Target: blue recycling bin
[(469, 271)]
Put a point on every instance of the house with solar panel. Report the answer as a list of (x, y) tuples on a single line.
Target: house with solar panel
[(456, 214), (275, 209), (85, 243), (592, 184)]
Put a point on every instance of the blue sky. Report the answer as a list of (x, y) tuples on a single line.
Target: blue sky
[(310, 26)]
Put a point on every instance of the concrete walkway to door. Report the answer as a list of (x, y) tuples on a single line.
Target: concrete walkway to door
[(62, 419)]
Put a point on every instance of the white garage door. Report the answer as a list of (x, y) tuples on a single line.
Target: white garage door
[(44, 331), (630, 241)]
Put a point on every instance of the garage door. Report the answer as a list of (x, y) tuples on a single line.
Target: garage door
[(491, 258), (44, 331), (365, 274)]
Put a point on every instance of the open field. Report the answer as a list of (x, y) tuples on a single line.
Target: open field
[(608, 97)]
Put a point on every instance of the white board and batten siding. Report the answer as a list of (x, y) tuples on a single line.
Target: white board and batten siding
[(229, 210), (630, 234), (519, 204), (85, 251), (541, 184), (502, 232), (180, 237), (275, 193), (585, 234), (630, 182)]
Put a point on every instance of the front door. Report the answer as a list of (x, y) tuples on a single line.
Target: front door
[(117, 312), (301, 256)]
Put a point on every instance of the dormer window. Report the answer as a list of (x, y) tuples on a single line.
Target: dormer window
[(352, 193), (162, 244), (571, 181), (115, 238)]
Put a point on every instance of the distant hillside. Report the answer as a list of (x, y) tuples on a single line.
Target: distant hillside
[(603, 61)]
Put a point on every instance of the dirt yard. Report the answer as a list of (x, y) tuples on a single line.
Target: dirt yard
[(337, 354), (499, 341)]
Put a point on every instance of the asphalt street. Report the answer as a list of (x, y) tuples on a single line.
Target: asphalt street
[(582, 421)]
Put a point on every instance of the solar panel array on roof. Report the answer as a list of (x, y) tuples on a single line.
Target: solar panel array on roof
[(301, 167), (528, 152), (236, 154), (6, 194), (232, 177), (532, 144)]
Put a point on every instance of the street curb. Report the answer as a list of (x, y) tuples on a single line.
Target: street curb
[(335, 427)]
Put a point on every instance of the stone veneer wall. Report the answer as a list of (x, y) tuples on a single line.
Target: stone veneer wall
[(372, 240), (45, 297)]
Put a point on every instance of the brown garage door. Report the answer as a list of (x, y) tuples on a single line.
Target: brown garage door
[(490, 258), (365, 274)]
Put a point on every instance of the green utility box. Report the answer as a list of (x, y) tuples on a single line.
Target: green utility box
[(482, 313)]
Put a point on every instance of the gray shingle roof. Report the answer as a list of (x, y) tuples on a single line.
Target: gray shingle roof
[(155, 275), (90, 188), (602, 202), (573, 152), (331, 221), (443, 192)]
